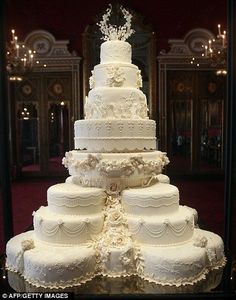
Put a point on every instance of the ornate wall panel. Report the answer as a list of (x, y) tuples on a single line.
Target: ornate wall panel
[(53, 86), (191, 106)]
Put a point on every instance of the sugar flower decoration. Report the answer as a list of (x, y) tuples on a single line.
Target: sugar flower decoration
[(114, 32)]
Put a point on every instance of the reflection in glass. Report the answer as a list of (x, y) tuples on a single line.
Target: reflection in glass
[(27, 116), (211, 134), (181, 133), (58, 125), (132, 285)]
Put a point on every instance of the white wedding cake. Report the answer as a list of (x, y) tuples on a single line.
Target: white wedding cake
[(117, 214)]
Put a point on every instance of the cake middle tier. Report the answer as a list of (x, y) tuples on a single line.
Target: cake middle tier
[(155, 200), (114, 169), (66, 229), (72, 199), (116, 75), (168, 229), (116, 103), (115, 135)]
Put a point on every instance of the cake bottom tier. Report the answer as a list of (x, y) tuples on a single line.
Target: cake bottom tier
[(57, 267), (185, 264), (50, 266)]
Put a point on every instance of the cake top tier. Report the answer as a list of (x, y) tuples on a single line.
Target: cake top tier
[(115, 51)]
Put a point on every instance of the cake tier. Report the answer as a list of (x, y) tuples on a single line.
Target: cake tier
[(116, 75), (183, 264), (115, 51), (66, 229), (49, 265), (115, 135), (65, 198), (119, 262), (169, 229), (155, 200), (119, 170), (115, 103)]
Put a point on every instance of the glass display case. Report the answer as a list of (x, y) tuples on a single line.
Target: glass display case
[(217, 285)]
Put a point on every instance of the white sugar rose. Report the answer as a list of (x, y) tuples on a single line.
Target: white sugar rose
[(113, 188), (114, 218), (27, 244), (200, 241), (92, 81)]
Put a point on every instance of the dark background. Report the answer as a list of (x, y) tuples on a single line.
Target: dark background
[(68, 19)]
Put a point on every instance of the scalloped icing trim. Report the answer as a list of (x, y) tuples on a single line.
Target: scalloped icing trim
[(116, 150), (63, 284), (183, 282), (12, 269), (124, 275), (180, 282), (186, 281), (220, 264)]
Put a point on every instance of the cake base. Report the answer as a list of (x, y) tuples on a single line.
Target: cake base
[(58, 267), (48, 265), (186, 264)]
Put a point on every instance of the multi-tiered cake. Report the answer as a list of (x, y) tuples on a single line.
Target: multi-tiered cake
[(117, 214)]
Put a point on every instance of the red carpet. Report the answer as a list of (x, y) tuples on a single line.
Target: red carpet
[(27, 195), (206, 196)]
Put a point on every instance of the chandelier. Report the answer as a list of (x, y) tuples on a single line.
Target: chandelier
[(19, 58), (215, 51)]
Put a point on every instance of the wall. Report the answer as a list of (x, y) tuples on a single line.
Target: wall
[(67, 19)]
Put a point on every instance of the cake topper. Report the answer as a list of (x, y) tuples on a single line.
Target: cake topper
[(114, 32)]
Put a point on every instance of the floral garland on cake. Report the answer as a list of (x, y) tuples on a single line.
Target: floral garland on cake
[(113, 32), (97, 109), (116, 234), (124, 167)]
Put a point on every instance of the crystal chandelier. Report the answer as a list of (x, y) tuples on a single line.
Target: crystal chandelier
[(19, 59), (216, 53)]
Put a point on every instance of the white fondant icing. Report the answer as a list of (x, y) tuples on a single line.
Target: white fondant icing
[(184, 264), (116, 103), (155, 200), (66, 229), (127, 169), (115, 51), (167, 229), (52, 266), (66, 198), (116, 75), (110, 135)]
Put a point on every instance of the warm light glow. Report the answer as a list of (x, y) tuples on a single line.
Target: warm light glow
[(221, 72), (214, 53), (15, 78), (19, 57)]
